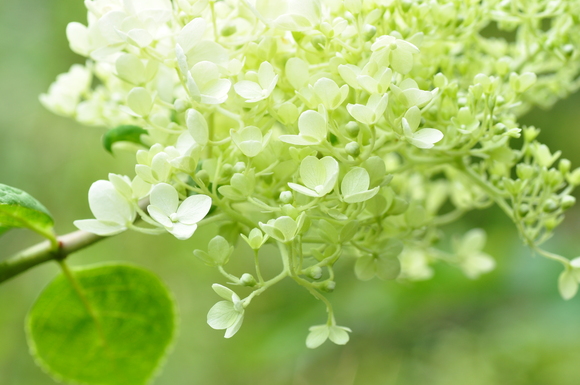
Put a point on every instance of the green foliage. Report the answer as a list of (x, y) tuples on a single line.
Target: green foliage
[(112, 325), (123, 133), (20, 209)]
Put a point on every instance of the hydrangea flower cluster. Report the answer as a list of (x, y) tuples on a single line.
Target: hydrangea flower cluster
[(327, 128)]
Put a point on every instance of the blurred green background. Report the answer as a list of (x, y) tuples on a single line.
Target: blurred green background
[(509, 327)]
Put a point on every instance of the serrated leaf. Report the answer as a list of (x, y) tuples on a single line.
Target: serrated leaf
[(125, 133), (126, 340), (20, 209)]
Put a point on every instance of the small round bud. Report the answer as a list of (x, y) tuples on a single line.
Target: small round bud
[(523, 209), (228, 30), (203, 176), (440, 80), (319, 42), (227, 170), (239, 167), (352, 149), (530, 133), (314, 272), (352, 129), (567, 202), (369, 31), (327, 286), (550, 206), (564, 166), (286, 196), (248, 280), (552, 223), (181, 105), (290, 211)]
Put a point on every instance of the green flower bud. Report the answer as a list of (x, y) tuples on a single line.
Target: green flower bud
[(203, 176), (523, 209), (525, 171), (239, 167), (228, 30), (369, 31), (248, 280), (227, 170), (352, 129), (440, 80), (319, 42), (564, 166), (550, 206), (574, 177), (314, 272), (286, 196), (181, 105), (326, 286), (352, 149), (531, 133), (567, 202)]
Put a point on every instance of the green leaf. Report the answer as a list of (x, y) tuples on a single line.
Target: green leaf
[(123, 342), (19, 209), (125, 133)]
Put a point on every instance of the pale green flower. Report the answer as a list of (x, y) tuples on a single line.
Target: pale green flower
[(318, 175)]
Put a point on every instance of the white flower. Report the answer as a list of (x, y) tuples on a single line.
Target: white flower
[(318, 175), (472, 260), (312, 128), (113, 212), (425, 137), (65, 93), (372, 111), (290, 15), (355, 186), (178, 219), (254, 92), (320, 333), (228, 314)]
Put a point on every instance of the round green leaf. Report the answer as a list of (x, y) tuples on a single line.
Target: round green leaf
[(125, 133), (125, 339), (20, 209)]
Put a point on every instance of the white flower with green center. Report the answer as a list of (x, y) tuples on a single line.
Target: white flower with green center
[(178, 219), (255, 91), (372, 111), (312, 128), (569, 279), (228, 314), (408, 92), (355, 186), (318, 175), (425, 137), (113, 212), (320, 333), (372, 78), (395, 52)]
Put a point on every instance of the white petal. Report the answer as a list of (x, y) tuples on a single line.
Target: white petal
[(312, 124), (361, 113), (317, 336), (99, 227), (428, 135), (158, 214), (182, 231), (312, 172), (303, 190), (299, 140), (191, 34), (108, 205), (235, 327), (165, 197), (193, 209), (222, 315), (355, 181), (338, 335), (248, 90)]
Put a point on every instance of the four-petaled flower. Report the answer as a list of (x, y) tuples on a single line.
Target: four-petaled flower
[(178, 219)]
